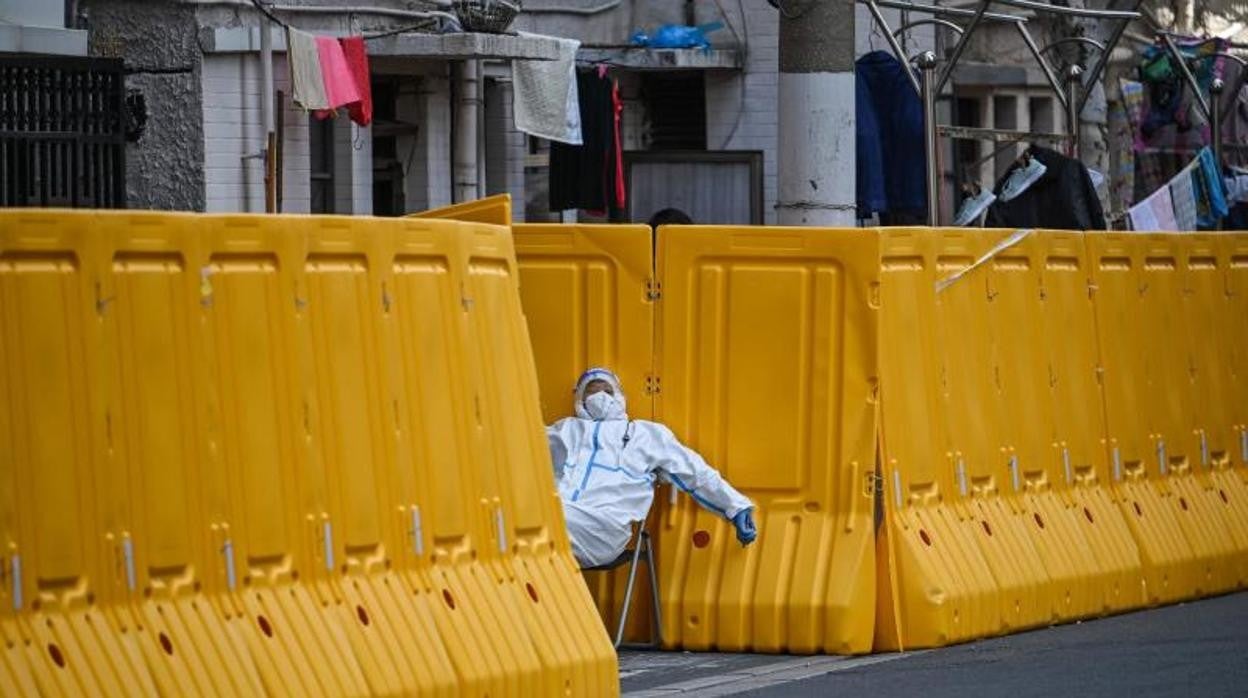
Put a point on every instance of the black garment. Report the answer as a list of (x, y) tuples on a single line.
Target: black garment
[(583, 176), (1064, 198)]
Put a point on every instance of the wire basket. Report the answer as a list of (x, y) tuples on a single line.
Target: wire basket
[(487, 16)]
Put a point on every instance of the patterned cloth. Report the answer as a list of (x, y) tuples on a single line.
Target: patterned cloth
[(1183, 197)]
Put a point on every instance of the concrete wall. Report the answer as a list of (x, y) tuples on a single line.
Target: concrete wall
[(164, 169)]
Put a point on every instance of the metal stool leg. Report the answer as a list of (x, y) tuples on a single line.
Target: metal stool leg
[(628, 596), (654, 591)]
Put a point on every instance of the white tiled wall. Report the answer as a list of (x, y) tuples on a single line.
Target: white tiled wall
[(749, 121), (232, 130)]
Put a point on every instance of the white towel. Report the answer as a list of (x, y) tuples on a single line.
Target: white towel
[(545, 101), (1156, 213), (305, 70)]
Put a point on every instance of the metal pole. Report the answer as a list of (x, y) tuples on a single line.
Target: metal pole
[(961, 45), (898, 52), (1215, 120), (927, 63), (1044, 63), (266, 115), (1073, 82), (1186, 73)]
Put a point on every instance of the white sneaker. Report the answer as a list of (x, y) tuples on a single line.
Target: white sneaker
[(973, 207), (1021, 178)]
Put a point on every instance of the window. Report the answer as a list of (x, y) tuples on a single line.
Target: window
[(676, 109), (321, 156)]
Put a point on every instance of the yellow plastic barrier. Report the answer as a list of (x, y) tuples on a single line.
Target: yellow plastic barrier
[(991, 426), (588, 295), (492, 210), (1061, 423), (273, 455), (767, 361)]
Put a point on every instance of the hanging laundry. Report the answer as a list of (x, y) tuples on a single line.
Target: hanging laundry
[(340, 86), (1236, 188), (544, 97), (308, 85), (1062, 197), (1154, 214), (355, 63), (581, 176), (1183, 198), (618, 109), (360, 111), (1211, 205), (889, 136)]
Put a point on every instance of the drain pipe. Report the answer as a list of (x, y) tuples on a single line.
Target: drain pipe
[(467, 107)]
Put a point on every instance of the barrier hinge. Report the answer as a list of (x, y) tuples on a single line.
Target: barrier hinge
[(654, 290), (654, 384)]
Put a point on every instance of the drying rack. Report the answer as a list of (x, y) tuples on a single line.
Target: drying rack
[(1071, 92)]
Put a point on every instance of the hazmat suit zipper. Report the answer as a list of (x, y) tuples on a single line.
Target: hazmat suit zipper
[(590, 467)]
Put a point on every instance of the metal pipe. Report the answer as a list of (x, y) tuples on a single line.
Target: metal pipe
[(1075, 40), (1070, 11), (465, 155), (1215, 122), (1073, 83), (927, 64), (943, 11), (961, 46), (1102, 60), (920, 22), (898, 52), (1239, 82), (1044, 64), (266, 115), (1187, 73)]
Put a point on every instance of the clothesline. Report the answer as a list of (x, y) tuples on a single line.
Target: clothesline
[(366, 37)]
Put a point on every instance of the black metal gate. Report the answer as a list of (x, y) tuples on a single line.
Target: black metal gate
[(62, 132)]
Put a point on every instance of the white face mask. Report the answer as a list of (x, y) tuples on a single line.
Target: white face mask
[(603, 405)]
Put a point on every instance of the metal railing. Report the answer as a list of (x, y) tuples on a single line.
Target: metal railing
[(62, 132)]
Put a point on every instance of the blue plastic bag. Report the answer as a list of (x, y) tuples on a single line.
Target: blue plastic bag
[(676, 36)]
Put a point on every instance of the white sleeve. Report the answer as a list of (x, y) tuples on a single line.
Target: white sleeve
[(690, 472), (561, 447)]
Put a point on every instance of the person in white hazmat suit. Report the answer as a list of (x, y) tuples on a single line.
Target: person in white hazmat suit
[(606, 465)]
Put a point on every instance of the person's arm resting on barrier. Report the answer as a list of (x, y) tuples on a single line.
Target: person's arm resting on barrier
[(690, 472)]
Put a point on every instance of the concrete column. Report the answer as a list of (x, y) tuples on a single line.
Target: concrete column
[(817, 183), (426, 152)]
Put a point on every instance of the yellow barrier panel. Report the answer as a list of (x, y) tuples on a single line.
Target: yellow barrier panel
[(587, 296), (492, 210), (991, 423), (768, 369), (1062, 423), (1213, 490), (245, 461)]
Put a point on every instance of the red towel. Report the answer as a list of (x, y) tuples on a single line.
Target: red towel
[(357, 62), (340, 86)]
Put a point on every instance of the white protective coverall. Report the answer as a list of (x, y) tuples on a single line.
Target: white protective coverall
[(606, 466)]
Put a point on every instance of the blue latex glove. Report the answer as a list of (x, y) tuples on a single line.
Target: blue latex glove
[(744, 523)]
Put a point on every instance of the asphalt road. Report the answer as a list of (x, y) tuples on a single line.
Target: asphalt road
[(1193, 649)]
